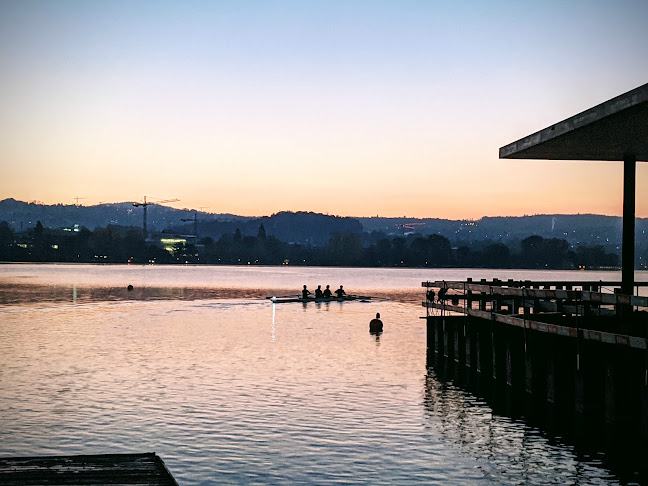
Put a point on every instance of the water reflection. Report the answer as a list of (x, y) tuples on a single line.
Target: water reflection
[(521, 451), (18, 293), (376, 335), (516, 452), (21, 294), (201, 383)]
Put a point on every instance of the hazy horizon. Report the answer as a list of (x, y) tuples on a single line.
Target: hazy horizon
[(328, 214), (370, 107)]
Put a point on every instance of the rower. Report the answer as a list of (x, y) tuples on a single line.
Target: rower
[(340, 292), (305, 293), (376, 325), (318, 292), (327, 291)]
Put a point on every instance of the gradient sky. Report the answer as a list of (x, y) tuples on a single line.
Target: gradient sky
[(344, 107)]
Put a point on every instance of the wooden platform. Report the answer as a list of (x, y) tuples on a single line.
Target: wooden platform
[(572, 353), (113, 469)]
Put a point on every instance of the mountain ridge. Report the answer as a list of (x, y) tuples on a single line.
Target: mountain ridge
[(315, 228)]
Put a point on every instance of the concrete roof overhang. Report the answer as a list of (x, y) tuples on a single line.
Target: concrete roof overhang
[(612, 130)]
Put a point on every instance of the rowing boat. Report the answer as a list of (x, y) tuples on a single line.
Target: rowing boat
[(283, 300)]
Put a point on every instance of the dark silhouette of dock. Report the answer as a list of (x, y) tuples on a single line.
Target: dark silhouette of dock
[(571, 357), (114, 469), (569, 346)]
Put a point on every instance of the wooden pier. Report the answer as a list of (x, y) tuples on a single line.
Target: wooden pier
[(576, 351), (113, 469)]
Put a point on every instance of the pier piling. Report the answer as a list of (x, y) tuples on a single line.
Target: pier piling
[(562, 354)]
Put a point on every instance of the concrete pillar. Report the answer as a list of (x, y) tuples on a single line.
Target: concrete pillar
[(458, 348), (431, 340), (429, 335), (494, 354), (498, 355), (468, 353), (579, 387), (457, 338), (438, 339), (643, 405), (529, 371), (540, 380), (628, 245), (550, 377), (509, 362), (447, 339), (609, 392), (594, 358), (481, 329)]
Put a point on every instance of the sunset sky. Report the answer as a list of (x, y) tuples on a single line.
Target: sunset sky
[(353, 108)]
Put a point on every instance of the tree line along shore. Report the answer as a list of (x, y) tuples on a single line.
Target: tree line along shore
[(128, 245)]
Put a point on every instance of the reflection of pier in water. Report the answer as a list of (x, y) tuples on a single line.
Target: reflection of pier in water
[(506, 450), (566, 356)]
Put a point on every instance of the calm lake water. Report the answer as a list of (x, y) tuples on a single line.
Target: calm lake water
[(226, 387)]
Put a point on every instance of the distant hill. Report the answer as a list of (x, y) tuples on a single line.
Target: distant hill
[(305, 228), (21, 215), (588, 229), (315, 229), (301, 227)]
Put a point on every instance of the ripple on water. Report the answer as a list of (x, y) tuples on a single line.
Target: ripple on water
[(241, 392)]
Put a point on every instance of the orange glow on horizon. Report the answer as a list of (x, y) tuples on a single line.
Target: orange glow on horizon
[(399, 117)]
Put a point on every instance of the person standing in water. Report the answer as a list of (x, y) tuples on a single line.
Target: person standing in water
[(305, 293), (376, 325)]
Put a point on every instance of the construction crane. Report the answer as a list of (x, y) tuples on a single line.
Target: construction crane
[(77, 200), (195, 224), (145, 205)]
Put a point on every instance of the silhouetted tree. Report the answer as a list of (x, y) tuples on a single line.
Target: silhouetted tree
[(538, 252), (344, 248), (261, 235), (496, 255), (433, 251), (594, 257), (7, 235)]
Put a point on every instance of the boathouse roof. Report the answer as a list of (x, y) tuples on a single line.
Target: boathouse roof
[(608, 131)]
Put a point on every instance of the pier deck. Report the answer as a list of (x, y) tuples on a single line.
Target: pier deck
[(113, 469), (576, 351)]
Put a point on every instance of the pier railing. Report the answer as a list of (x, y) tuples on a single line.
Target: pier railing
[(593, 310)]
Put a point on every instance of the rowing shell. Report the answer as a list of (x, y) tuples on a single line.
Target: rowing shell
[(282, 300)]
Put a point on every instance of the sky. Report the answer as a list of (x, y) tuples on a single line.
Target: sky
[(353, 108)]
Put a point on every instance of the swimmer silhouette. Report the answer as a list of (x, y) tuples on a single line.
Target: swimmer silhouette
[(376, 325)]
